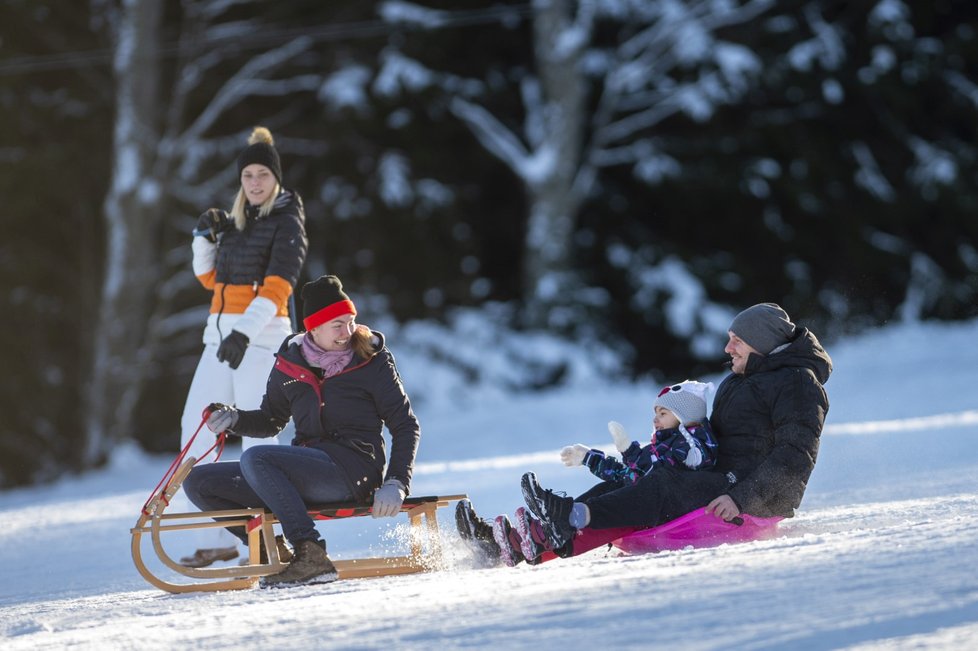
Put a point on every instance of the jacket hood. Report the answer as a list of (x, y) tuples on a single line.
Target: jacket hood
[(803, 351)]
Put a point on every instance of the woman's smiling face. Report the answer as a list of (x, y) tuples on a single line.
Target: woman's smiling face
[(258, 183), (335, 335)]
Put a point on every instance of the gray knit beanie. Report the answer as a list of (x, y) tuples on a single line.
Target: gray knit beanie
[(764, 327), (687, 400)]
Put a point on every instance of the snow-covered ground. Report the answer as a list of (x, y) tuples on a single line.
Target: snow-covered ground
[(881, 555)]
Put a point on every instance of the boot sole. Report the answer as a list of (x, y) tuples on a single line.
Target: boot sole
[(529, 485), (530, 548), (319, 579), (500, 533), (462, 520)]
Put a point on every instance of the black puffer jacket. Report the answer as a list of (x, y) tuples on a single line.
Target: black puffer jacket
[(344, 415), (768, 422), (274, 245)]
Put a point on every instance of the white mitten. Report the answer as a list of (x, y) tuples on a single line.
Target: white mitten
[(573, 455), (618, 435)]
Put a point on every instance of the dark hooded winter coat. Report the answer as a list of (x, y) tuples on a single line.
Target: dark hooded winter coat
[(343, 415), (767, 422)]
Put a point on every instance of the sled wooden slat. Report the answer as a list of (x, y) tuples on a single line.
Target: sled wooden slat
[(425, 543)]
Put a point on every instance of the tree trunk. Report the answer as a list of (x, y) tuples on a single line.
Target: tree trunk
[(132, 220), (553, 194)]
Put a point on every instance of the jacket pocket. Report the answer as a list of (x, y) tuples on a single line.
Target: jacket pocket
[(362, 447)]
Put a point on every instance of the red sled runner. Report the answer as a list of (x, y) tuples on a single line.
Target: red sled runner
[(698, 529)]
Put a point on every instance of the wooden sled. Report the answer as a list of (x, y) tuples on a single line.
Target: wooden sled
[(425, 543)]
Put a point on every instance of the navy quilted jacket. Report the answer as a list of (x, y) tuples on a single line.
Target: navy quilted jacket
[(695, 448), (344, 414)]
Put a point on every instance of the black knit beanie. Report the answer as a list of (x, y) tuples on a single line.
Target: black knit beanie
[(764, 327), (323, 300), (261, 150)]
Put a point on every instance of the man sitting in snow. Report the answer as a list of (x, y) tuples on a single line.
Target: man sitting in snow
[(767, 417)]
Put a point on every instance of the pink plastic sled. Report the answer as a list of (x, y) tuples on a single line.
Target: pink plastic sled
[(698, 529)]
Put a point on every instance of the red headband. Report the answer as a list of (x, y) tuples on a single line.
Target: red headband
[(329, 313)]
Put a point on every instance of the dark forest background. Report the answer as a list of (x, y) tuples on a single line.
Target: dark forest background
[(589, 165)]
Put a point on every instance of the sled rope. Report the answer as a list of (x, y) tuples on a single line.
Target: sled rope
[(168, 475)]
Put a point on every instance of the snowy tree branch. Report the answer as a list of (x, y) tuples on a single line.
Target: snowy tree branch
[(240, 86), (963, 85), (493, 135)]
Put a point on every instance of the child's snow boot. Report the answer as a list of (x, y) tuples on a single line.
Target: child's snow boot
[(508, 541), (533, 540)]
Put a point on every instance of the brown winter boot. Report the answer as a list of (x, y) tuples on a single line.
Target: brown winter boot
[(209, 556), (310, 565)]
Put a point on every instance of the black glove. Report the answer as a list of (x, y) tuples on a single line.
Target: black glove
[(222, 418), (232, 349), (212, 222)]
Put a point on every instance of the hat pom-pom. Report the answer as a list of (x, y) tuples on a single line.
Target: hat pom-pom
[(261, 134)]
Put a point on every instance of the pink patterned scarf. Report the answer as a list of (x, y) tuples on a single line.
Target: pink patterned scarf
[(331, 361)]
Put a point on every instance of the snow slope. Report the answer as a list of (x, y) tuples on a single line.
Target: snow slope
[(882, 554)]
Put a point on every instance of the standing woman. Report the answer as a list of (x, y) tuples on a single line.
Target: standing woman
[(250, 259), (339, 384)]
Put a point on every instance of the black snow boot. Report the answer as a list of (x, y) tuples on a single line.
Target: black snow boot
[(476, 532), (552, 509)]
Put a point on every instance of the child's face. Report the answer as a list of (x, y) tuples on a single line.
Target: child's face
[(664, 419)]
